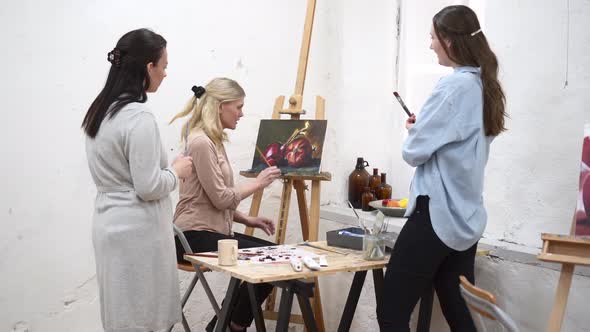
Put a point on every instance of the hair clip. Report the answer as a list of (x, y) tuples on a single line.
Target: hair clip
[(475, 32), (114, 57), (198, 90)]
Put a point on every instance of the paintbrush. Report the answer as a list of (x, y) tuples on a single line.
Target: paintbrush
[(307, 243), (263, 157), (402, 103), (368, 231)]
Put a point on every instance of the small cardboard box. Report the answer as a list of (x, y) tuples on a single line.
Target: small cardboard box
[(350, 238)]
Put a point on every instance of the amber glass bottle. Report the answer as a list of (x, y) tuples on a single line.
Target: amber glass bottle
[(366, 198), (384, 190), (357, 181), (374, 180)]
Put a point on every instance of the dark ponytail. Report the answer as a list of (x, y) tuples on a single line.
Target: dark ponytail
[(469, 47), (128, 80)]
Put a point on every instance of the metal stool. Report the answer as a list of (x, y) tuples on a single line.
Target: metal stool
[(198, 270)]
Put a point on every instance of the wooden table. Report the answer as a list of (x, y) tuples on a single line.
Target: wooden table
[(283, 276)]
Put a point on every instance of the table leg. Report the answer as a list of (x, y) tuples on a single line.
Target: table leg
[(425, 313), (352, 301), (258, 318), (378, 283), (285, 309), (206, 287), (307, 313), (228, 303)]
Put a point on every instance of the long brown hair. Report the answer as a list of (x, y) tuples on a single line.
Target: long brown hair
[(459, 26)]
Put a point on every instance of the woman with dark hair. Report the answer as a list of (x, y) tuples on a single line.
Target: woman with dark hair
[(132, 223), (449, 145)]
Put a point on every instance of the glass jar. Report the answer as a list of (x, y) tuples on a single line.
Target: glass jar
[(373, 247)]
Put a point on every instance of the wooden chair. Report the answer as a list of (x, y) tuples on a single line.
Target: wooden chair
[(198, 270), (483, 303)]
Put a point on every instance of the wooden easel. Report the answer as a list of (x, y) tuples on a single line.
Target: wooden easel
[(309, 219), (568, 251)]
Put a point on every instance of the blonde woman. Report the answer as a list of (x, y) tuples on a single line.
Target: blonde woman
[(208, 197)]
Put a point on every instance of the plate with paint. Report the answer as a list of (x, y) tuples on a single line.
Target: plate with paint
[(391, 207)]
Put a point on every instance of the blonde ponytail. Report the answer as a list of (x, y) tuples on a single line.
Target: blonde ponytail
[(205, 110)]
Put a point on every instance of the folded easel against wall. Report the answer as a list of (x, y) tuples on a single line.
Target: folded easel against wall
[(568, 251), (309, 218)]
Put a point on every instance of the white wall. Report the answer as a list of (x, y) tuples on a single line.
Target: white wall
[(54, 58), (55, 64)]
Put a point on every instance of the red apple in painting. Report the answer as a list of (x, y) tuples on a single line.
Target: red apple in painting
[(298, 152), (585, 187), (586, 151), (273, 154)]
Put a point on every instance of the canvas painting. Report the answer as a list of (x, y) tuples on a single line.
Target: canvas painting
[(583, 207), (295, 146)]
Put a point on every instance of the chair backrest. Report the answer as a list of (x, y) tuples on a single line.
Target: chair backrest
[(484, 303), (178, 232)]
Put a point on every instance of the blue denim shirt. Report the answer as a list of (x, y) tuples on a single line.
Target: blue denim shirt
[(449, 149)]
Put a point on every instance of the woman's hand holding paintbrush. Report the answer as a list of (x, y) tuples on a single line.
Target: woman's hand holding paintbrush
[(410, 121), (411, 116), (269, 174)]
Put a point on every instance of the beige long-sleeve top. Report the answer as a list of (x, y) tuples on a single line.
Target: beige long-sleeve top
[(208, 198)]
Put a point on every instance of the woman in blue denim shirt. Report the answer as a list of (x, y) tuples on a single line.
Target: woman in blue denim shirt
[(448, 143)]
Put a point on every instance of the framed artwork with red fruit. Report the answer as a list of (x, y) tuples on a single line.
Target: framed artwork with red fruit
[(583, 207), (295, 146)]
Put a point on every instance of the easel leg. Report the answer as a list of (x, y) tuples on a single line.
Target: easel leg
[(254, 209), (563, 288), (281, 229), (314, 210), (314, 221), (317, 306), (284, 212), (302, 203)]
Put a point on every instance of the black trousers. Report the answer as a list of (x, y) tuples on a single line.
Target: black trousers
[(201, 241), (420, 260)]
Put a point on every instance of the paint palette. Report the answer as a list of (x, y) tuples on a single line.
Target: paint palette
[(272, 254)]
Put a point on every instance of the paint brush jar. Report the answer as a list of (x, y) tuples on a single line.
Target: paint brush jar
[(373, 247)]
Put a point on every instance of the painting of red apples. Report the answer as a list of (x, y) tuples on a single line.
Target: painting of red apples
[(295, 146), (583, 206)]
